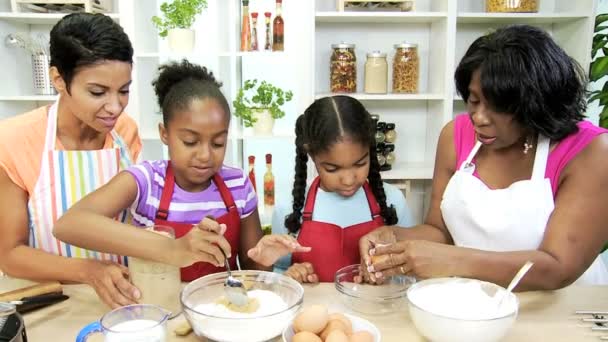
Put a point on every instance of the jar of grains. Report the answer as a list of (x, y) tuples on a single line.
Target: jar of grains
[(406, 67), (376, 73), (343, 69), (530, 6)]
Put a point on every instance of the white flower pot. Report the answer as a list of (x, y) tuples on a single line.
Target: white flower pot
[(264, 123), (181, 40)]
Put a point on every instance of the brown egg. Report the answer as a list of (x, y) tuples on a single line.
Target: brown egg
[(334, 324), (305, 336), (337, 336), (361, 336), (312, 319), (341, 317)]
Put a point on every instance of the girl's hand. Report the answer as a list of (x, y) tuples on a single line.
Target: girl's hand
[(111, 283), (419, 258), (272, 247), (302, 273), (202, 243)]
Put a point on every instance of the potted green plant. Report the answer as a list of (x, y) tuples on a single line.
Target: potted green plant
[(178, 17), (599, 67), (258, 104)]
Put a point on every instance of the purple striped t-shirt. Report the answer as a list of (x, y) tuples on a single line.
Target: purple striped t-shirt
[(187, 207)]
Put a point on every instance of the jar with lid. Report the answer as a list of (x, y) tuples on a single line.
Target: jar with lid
[(406, 66), (380, 128), (343, 69), (390, 135), (519, 6), (376, 73)]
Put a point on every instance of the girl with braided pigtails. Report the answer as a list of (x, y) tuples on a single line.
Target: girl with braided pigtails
[(346, 201)]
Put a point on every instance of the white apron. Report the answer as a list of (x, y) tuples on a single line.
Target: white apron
[(511, 219), (66, 177)]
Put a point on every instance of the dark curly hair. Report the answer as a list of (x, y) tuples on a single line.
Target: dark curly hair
[(82, 39), (325, 122), (525, 73), (181, 82)]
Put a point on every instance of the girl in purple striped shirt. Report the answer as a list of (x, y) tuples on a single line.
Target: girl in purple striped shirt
[(183, 192)]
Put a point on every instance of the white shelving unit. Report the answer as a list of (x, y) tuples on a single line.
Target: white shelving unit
[(17, 92), (443, 30)]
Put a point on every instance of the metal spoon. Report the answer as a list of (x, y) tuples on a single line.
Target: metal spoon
[(234, 288), (520, 274)]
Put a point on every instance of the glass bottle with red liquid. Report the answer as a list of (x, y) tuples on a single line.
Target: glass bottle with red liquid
[(245, 28), (268, 183), (278, 26), (252, 171)]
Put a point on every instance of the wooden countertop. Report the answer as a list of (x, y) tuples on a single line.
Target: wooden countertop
[(543, 316)]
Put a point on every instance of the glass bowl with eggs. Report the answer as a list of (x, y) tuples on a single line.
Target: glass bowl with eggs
[(460, 309), (384, 298), (274, 300)]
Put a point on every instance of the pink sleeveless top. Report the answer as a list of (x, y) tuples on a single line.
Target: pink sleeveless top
[(559, 157)]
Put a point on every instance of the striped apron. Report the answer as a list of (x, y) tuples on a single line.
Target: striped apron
[(66, 177)]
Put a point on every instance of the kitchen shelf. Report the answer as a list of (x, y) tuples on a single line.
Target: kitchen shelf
[(31, 98), (379, 17), (386, 97), (409, 171), (40, 18), (518, 18)]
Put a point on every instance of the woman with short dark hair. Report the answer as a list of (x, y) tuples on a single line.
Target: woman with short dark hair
[(54, 155), (521, 177)]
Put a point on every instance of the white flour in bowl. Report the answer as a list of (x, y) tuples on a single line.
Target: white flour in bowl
[(219, 323), (270, 303), (462, 299), (137, 330)]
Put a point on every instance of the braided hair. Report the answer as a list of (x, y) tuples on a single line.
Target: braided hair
[(325, 122)]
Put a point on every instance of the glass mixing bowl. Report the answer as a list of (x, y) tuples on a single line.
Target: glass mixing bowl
[(208, 289), (386, 298)]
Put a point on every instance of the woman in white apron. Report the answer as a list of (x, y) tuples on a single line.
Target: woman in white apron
[(521, 177), (53, 156)]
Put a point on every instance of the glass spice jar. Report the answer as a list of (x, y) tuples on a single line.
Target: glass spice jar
[(520, 6), (380, 156), (406, 67), (390, 135), (380, 127), (376, 73), (343, 68)]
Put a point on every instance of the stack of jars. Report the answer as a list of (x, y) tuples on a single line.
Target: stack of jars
[(385, 143), (406, 67)]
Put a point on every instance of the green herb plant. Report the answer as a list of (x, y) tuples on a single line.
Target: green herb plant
[(599, 66), (178, 14), (254, 97)]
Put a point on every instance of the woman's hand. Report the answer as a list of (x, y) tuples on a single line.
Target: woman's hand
[(272, 247), (302, 273), (419, 258), (202, 243), (378, 237), (111, 283)]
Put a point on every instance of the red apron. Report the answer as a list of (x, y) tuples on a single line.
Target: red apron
[(333, 247), (231, 219)]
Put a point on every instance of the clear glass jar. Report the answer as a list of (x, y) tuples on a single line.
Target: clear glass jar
[(521, 6), (406, 68), (343, 69), (376, 73), (390, 135)]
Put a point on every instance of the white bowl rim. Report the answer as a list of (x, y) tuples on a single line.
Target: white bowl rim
[(349, 316), (439, 280), (299, 302)]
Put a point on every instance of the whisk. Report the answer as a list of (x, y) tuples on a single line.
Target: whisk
[(35, 46)]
